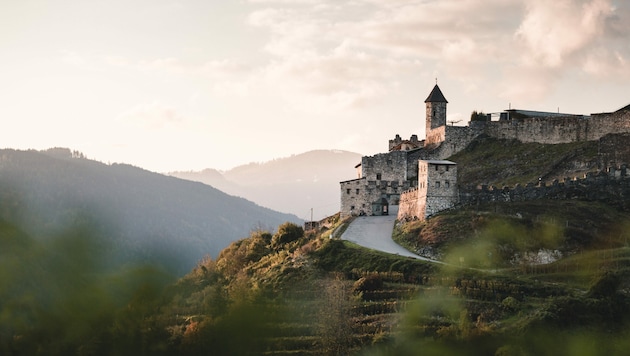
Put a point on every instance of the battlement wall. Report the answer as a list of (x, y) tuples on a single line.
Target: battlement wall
[(548, 130), (606, 123), (612, 187)]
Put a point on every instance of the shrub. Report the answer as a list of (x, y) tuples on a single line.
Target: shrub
[(369, 283), (287, 232)]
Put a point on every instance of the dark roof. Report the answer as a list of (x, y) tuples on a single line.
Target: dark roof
[(625, 108), (440, 161), (436, 96)]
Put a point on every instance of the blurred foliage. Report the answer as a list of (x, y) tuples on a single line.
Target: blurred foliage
[(58, 298), (307, 294)]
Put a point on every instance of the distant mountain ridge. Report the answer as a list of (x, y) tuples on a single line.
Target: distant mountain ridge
[(143, 215), (292, 184)]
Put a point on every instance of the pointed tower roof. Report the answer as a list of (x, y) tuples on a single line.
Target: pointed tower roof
[(436, 96)]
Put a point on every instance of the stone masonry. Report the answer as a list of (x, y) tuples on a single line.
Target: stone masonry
[(394, 178)]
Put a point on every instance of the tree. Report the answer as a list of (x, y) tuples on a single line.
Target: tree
[(478, 116), (335, 317)]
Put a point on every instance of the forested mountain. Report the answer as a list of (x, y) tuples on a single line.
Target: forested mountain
[(292, 184), (139, 216)]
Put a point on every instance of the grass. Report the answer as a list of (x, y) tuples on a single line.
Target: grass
[(509, 162)]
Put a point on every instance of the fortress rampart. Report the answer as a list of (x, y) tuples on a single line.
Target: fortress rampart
[(554, 129), (612, 187)]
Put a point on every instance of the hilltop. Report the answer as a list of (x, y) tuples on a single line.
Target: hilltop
[(139, 216)]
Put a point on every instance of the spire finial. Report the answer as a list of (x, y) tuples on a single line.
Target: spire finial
[(435, 80)]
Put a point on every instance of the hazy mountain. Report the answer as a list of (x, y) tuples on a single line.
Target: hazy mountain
[(293, 184), (139, 215)]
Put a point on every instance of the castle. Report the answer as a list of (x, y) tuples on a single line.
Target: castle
[(415, 175)]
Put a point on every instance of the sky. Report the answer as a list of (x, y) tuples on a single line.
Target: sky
[(185, 85)]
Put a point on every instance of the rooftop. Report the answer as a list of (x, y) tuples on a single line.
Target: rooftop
[(436, 96), (437, 161)]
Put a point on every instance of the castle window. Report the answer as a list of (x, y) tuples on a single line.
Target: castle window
[(437, 184), (347, 191), (436, 167), (447, 184), (352, 207), (357, 190), (447, 168), (378, 176)]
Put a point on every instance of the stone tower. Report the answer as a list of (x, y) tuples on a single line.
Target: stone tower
[(436, 116), (437, 187)]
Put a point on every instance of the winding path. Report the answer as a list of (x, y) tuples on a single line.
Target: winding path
[(375, 232)]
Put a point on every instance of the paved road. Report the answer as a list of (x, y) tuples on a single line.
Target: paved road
[(375, 232)]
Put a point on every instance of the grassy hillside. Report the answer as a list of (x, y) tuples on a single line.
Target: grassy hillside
[(296, 293), (508, 162), (314, 295)]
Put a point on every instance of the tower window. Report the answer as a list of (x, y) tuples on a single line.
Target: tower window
[(447, 184), (378, 176), (347, 191), (357, 190), (437, 184), (436, 167)]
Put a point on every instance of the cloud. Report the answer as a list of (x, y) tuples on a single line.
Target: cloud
[(344, 77), (354, 52), (607, 64), (554, 31), (467, 40), (328, 55)]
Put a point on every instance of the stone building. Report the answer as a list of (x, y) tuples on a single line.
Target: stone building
[(437, 190), (392, 178), (382, 178)]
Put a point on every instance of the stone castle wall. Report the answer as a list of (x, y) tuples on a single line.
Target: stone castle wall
[(353, 197), (437, 190), (602, 124), (435, 136), (359, 195), (614, 150), (441, 189), (391, 166), (548, 130), (457, 138), (612, 187), (408, 207)]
